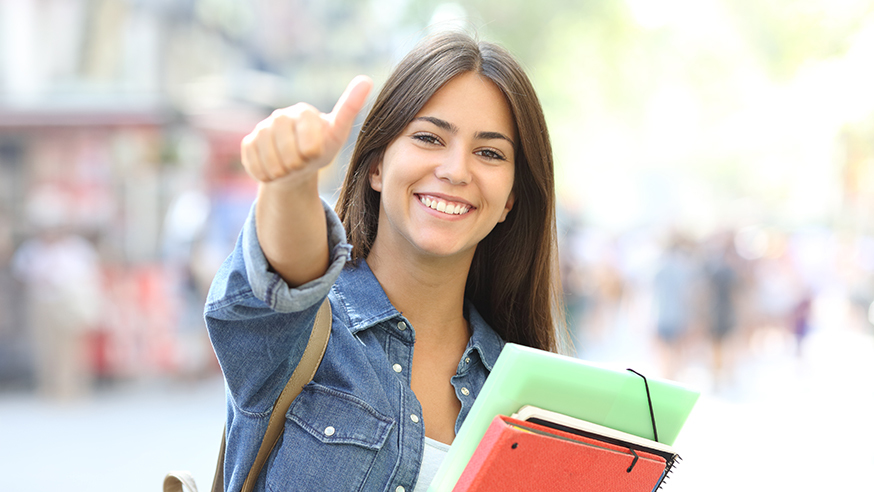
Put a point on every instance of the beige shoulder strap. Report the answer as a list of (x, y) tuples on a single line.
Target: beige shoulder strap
[(303, 374)]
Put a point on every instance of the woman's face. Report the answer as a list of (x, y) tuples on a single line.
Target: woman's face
[(447, 179)]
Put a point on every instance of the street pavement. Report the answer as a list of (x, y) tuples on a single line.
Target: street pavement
[(124, 440), (800, 424)]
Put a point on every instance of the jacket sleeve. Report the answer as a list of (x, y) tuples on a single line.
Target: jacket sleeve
[(258, 325)]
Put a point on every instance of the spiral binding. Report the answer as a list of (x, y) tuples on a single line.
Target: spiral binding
[(669, 468)]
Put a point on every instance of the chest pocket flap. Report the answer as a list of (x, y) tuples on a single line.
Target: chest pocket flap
[(334, 417)]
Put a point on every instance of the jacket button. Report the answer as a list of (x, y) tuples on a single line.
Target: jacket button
[(402, 326), (397, 368), (414, 418), (329, 431), (400, 489), (465, 391)]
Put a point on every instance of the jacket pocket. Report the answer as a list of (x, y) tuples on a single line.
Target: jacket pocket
[(331, 442), (334, 417)]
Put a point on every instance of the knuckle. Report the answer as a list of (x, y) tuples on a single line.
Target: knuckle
[(274, 172), (256, 172), (248, 157), (293, 112), (304, 108), (247, 142), (312, 149), (286, 149), (255, 139), (282, 118), (285, 153)]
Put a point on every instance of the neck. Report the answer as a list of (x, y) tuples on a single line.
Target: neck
[(428, 291)]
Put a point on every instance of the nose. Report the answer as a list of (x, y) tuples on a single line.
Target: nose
[(455, 168)]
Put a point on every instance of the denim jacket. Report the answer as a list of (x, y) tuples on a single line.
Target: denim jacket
[(357, 425)]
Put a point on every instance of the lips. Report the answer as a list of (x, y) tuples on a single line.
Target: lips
[(442, 205)]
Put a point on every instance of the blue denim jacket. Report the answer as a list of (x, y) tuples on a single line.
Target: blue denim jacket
[(357, 425)]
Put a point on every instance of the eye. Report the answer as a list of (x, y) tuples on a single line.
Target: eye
[(427, 138), (491, 154)]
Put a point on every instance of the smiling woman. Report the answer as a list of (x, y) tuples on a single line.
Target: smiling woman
[(442, 249), (513, 273)]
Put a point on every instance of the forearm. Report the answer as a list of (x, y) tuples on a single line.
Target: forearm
[(291, 228)]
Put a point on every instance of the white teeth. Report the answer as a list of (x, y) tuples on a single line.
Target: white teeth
[(441, 206)]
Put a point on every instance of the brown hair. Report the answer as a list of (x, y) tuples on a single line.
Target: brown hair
[(513, 279)]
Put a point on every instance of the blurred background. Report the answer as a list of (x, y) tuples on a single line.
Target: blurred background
[(715, 172)]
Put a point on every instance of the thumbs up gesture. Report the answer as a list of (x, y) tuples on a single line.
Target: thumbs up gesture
[(300, 140), (284, 153)]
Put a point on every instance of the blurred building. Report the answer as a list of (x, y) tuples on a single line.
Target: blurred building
[(133, 110)]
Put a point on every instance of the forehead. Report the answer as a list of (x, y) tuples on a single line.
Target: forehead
[(473, 103)]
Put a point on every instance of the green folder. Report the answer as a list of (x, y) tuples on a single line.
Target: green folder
[(580, 389)]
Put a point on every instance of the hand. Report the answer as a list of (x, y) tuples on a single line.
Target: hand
[(300, 139)]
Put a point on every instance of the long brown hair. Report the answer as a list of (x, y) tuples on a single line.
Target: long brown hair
[(513, 279)]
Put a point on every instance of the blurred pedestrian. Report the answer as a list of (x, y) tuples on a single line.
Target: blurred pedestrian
[(9, 326), (801, 320), (61, 275), (722, 281), (673, 301)]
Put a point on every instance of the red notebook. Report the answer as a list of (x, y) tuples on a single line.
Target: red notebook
[(521, 456)]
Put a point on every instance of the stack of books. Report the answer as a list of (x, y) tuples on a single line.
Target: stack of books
[(548, 422)]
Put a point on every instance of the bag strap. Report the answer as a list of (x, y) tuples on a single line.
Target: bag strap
[(303, 374), (178, 481), (218, 480)]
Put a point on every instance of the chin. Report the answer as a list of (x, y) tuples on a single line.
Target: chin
[(442, 250)]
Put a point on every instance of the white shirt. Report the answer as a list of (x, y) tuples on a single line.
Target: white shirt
[(435, 452)]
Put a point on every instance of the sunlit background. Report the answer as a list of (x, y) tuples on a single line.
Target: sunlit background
[(715, 173)]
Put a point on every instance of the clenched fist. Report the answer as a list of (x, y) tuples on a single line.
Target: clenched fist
[(299, 140)]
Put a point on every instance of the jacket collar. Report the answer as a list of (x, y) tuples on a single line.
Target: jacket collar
[(366, 305)]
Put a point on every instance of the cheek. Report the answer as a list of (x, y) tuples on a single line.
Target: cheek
[(402, 168), (507, 198), (500, 186)]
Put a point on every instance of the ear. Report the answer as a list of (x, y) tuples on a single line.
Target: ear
[(509, 206), (376, 177)]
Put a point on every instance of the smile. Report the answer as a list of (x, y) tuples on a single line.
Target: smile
[(450, 208)]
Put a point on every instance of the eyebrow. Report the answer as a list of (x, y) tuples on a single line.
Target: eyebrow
[(445, 125)]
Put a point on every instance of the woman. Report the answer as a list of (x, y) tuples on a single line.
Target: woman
[(448, 210)]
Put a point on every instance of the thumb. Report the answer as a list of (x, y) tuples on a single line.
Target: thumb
[(348, 106)]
